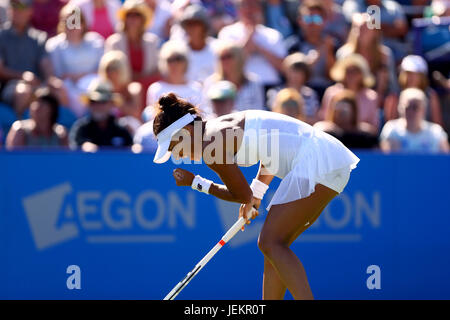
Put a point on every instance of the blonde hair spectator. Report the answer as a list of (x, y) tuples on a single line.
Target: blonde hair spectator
[(289, 102)]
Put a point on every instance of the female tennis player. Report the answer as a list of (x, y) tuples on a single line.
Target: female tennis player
[(314, 168)]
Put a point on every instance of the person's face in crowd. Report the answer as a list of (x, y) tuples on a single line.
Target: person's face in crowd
[(134, 21), (413, 79), (312, 23), (41, 113), (195, 30), (414, 111), (100, 110), (177, 64), (227, 61), (113, 75), (290, 108), (343, 115), (223, 106), (20, 15), (250, 12), (295, 77), (353, 79)]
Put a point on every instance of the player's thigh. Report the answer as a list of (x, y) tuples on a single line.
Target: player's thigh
[(284, 221)]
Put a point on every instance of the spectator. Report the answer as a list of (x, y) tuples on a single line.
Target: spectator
[(41, 130), (75, 54), (342, 122), (222, 95), (414, 74), (276, 18), (114, 68), (367, 42), (336, 24), (263, 46), (393, 24), (202, 57), (431, 37), (222, 13), (297, 71), (352, 73), (46, 15), (24, 63), (411, 132), (139, 46), (100, 15), (314, 43), (289, 102), (173, 65), (162, 18), (250, 92), (100, 128)]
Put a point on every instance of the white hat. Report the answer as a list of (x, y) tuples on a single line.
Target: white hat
[(165, 137), (413, 63)]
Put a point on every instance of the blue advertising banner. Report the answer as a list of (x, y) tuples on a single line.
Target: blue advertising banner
[(115, 226)]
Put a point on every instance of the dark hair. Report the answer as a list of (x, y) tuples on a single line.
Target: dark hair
[(43, 94), (170, 109), (309, 5)]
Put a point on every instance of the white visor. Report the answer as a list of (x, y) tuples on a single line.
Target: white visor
[(165, 137)]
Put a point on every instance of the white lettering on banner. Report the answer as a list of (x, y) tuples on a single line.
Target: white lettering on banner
[(123, 211), (185, 209), (146, 222), (86, 207), (74, 280), (57, 214), (371, 211), (341, 220), (374, 280)]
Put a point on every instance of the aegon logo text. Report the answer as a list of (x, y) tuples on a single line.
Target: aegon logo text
[(59, 214)]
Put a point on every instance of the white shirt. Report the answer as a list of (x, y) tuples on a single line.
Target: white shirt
[(202, 63), (162, 14), (145, 137), (427, 140), (267, 38)]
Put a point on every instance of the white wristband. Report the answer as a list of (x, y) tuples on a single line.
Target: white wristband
[(258, 188), (201, 184)]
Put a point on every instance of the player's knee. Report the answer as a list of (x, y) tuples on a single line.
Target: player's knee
[(268, 244)]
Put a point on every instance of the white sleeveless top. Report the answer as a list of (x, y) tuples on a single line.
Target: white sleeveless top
[(291, 150)]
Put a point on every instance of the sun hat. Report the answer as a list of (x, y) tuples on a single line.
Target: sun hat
[(135, 5), (195, 12), (337, 72)]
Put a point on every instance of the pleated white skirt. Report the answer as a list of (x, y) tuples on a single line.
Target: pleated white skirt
[(321, 159)]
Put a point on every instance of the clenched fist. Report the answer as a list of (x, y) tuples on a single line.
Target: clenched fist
[(183, 177)]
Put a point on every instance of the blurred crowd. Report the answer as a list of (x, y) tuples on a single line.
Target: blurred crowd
[(86, 74)]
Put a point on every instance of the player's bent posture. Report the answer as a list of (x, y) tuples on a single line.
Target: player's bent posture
[(314, 168)]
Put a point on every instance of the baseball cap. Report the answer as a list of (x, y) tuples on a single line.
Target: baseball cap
[(222, 90), (414, 63)]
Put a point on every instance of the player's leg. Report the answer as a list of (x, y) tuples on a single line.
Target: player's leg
[(283, 224)]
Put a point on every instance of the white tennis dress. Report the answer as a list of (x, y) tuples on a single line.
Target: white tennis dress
[(297, 153)]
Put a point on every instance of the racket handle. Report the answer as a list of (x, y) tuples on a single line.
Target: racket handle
[(236, 227)]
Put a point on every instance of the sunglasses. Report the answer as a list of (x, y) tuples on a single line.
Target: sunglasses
[(313, 19), (177, 58)]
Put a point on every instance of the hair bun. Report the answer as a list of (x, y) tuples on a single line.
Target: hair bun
[(167, 100)]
